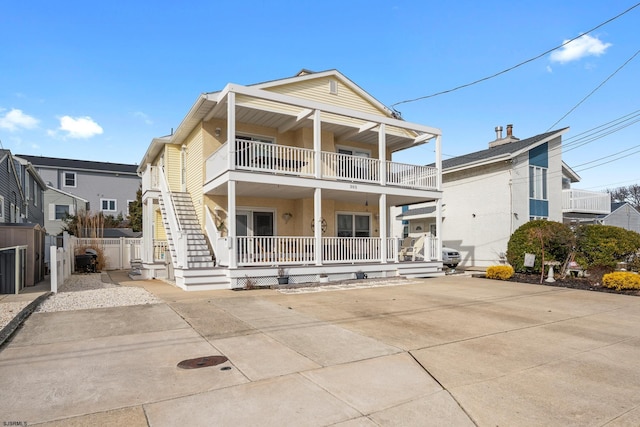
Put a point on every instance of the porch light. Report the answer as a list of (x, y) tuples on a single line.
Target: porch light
[(218, 131), (287, 216)]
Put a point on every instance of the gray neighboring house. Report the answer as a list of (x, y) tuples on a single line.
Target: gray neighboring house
[(21, 191), (622, 215), (106, 187), (60, 203)]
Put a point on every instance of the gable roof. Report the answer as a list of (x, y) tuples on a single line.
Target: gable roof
[(500, 152), (79, 164)]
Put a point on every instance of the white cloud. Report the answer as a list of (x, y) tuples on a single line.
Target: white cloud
[(80, 127), (15, 119), (579, 48), (549, 69), (143, 116)]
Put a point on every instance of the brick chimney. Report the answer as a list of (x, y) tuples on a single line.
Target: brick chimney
[(507, 139)]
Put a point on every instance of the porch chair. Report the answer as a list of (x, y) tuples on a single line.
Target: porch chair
[(415, 249)]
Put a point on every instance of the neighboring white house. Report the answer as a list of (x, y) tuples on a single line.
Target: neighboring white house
[(293, 173), (488, 194), (623, 215), (59, 204)]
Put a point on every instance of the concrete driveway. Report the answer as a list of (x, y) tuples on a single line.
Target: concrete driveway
[(450, 351)]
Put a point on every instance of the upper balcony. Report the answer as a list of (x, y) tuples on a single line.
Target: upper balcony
[(302, 162), (587, 202)]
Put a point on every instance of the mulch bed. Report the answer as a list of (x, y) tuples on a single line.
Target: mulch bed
[(569, 282)]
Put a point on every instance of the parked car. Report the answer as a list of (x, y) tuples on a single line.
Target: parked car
[(450, 257)]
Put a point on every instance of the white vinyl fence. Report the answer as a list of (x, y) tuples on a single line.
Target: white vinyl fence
[(118, 252)]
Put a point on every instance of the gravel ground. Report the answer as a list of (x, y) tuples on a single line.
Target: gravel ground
[(85, 291), (9, 310)]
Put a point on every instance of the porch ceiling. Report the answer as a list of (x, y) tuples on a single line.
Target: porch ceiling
[(264, 190), (279, 120)]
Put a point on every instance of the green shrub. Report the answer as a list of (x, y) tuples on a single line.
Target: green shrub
[(604, 246), (500, 272), (621, 280), (558, 240)]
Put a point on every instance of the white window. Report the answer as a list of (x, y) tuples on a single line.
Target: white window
[(69, 179), (14, 213), (108, 205), (354, 225), (61, 211), (1, 209), (27, 186), (537, 183)]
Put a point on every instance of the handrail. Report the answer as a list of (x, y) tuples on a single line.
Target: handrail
[(174, 222)]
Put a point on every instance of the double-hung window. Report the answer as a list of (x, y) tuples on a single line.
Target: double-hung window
[(537, 183), (69, 179), (108, 205)]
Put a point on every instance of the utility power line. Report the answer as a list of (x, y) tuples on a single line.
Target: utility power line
[(517, 65)]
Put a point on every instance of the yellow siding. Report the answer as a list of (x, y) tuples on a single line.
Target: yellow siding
[(318, 90), (172, 167), (195, 171), (159, 234)]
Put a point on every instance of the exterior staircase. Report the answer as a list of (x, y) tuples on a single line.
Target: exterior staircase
[(200, 272)]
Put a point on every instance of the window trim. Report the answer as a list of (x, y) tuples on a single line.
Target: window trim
[(353, 222), (128, 205), (115, 205), (538, 182), (64, 179), (55, 209), (1, 208)]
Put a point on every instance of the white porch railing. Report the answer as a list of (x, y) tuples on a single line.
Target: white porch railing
[(150, 179), (281, 159), (392, 249), (583, 201), (160, 248), (350, 249), (351, 168), (413, 176), (271, 250)]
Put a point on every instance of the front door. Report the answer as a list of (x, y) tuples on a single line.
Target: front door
[(249, 226)]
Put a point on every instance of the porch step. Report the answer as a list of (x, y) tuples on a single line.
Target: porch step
[(414, 270), (202, 279)]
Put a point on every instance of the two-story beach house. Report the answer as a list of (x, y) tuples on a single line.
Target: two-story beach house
[(21, 191), (293, 175), (489, 193)]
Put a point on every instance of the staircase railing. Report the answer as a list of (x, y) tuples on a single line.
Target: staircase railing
[(179, 236)]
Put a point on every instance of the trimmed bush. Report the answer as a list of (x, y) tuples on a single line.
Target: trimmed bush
[(500, 272), (558, 240), (601, 247), (621, 280)]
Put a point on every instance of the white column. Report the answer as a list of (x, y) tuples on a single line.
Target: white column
[(317, 143), (231, 129), (382, 226), (317, 220), (439, 229), (382, 153), (231, 224), (439, 163), (147, 231)]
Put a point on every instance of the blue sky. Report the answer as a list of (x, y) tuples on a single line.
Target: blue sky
[(99, 80)]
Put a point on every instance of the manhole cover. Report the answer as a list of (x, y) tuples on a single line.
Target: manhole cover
[(202, 362)]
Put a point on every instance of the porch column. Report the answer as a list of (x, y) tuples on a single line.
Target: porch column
[(317, 221), (439, 163), (439, 229), (317, 144), (147, 231), (382, 226), (232, 243), (231, 130), (382, 153)]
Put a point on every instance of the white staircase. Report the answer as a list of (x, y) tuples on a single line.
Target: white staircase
[(199, 273)]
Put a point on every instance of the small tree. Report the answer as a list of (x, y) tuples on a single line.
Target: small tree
[(545, 239), (135, 212)]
